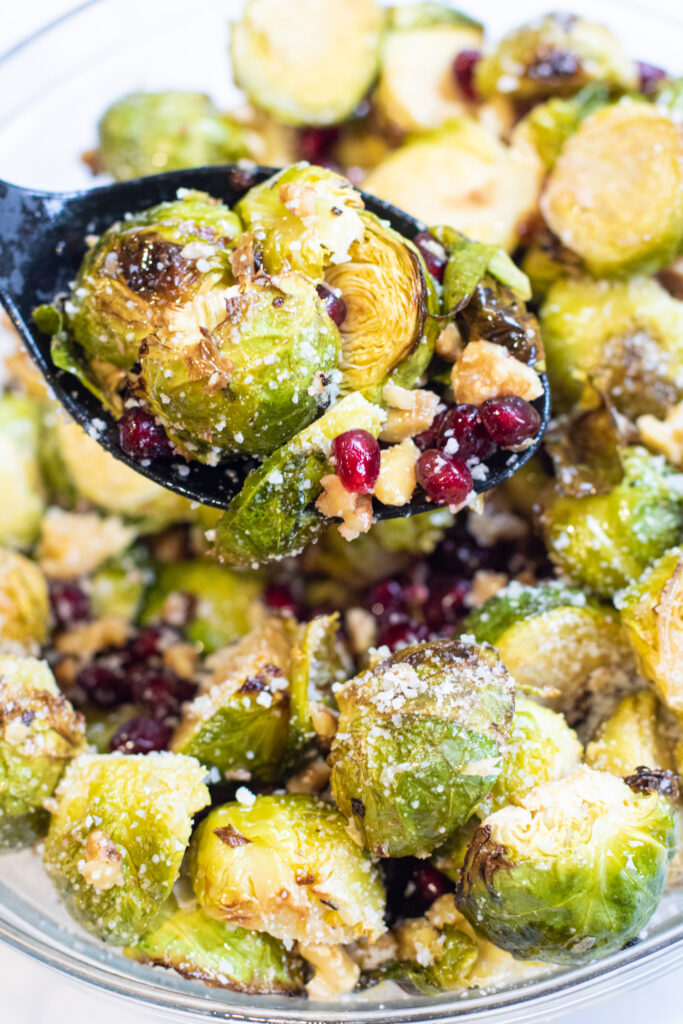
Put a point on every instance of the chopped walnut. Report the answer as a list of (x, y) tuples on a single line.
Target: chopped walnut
[(396, 481), (664, 436), (355, 510), (299, 199), (311, 779), (485, 584), (403, 423), (102, 865), (449, 344), (182, 659), (335, 971), (75, 543), (361, 627), (324, 723), (486, 370), (369, 955), (398, 397), (492, 527), (418, 940), (84, 640), (242, 261)]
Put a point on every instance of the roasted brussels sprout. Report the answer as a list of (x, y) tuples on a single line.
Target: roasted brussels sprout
[(319, 663), (420, 743), (548, 125), (149, 132), (615, 195), (274, 514), (417, 88), (605, 541), (221, 603), (20, 475), (39, 734), (632, 736), (463, 176), (118, 587), (286, 864), (24, 607), (310, 63), (623, 339), (222, 955), (387, 330), (449, 970), (303, 218), (572, 872), (554, 636), (555, 56), (117, 837), (651, 611)]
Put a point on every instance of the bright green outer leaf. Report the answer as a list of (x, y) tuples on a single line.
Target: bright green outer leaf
[(469, 262), (65, 353), (519, 602)]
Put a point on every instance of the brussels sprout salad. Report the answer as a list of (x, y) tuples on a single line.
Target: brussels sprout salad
[(285, 747)]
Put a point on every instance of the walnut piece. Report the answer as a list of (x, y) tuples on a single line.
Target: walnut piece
[(398, 397), (396, 481), (664, 436), (361, 627), (355, 510), (486, 370), (84, 640), (311, 779), (485, 584), (299, 199), (335, 971), (403, 423), (102, 865), (449, 344)]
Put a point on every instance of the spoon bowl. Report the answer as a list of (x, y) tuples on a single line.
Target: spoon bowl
[(42, 243)]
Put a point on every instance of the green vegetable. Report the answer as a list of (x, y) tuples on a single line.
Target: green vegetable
[(118, 586), (548, 125), (632, 736), (448, 973), (20, 471), (24, 607)]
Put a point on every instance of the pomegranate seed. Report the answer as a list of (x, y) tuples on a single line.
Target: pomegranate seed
[(315, 144), (68, 604), (334, 304), (650, 77), (433, 253), (447, 481), (103, 685), (281, 598), (147, 644), (401, 632), (141, 437), (462, 423), (429, 437), (386, 597), (463, 69), (510, 420), (160, 691), (430, 883), (141, 735), (445, 604), (355, 455)]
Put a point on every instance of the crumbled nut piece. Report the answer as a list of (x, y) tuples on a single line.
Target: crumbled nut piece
[(50, 804), (355, 510), (369, 955), (396, 481), (398, 397), (486, 370), (449, 344), (75, 543), (402, 423), (664, 436), (311, 779), (181, 659), (484, 585), (242, 261), (492, 527), (443, 912), (178, 608), (418, 940), (324, 722), (361, 627), (86, 639), (335, 971), (299, 199), (102, 865)]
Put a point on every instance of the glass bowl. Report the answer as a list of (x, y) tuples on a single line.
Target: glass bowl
[(53, 88)]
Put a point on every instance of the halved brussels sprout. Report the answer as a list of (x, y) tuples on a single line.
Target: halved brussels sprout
[(632, 736), (651, 611), (303, 218), (555, 55), (387, 330), (223, 604), (236, 371), (115, 842), (572, 872), (554, 636), (420, 743), (149, 132), (463, 176), (274, 514), (222, 955), (449, 971), (417, 88), (623, 339), (548, 125), (118, 587), (39, 734), (20, 475), (168, 254), (605, 541), (24, 606), (615, 195), (307, 64), (285, 864)]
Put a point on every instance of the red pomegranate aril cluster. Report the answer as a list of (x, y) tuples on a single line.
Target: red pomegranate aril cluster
[(141, 735), (142, 437), (315, 144), (429, 438), (356, 458), (159, 690), (69, 604), (510, 420), (430, 883), (280, 598), (445, 605), (104, 685), (445, 480), (334, 304), (433, 253), (462, 423), (463, 69)]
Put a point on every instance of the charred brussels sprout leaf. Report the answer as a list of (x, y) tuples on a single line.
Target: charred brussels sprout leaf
[(388, 295), (449, 972), (286, 865), (39, 734), (150, 132), (572, 872), (236, 371), (631, 737), (118, 835), (221, 602), (223, 956), (555, 55), (469, 263), (20, 471), (299, 81), (24, 608), (420, 743)]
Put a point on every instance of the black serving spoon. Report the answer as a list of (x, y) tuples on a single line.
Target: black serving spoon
[(42, 242)]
